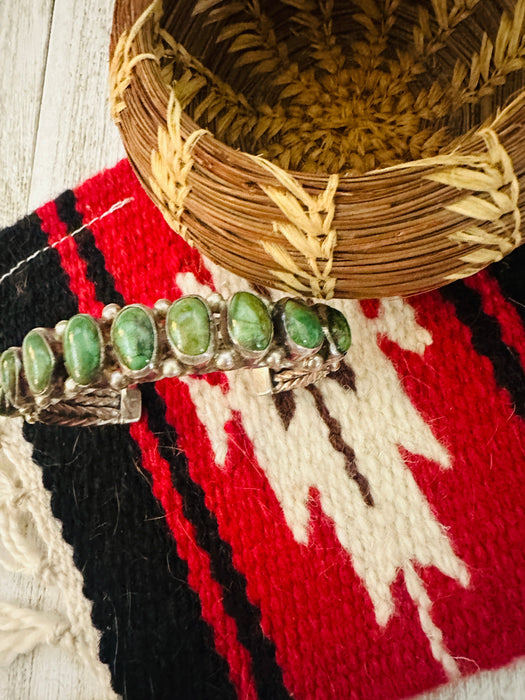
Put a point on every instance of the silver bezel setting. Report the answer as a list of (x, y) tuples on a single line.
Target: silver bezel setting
[(295, 351), (49, 340), (334, 355), (110, 312), (16, 399), (102, 360), (194, 361), (255, 356), (151, 367)]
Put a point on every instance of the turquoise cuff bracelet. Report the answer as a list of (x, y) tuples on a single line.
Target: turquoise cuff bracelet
[(84, 371)]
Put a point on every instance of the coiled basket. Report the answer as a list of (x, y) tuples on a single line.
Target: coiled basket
[(356, 148)]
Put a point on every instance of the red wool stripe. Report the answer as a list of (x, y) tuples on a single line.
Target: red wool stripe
[(72, 263), (323, 646), (480, 499), (144, 265), (313, 605), (370, 307), (199, 576), (109, 235), (320, 616)]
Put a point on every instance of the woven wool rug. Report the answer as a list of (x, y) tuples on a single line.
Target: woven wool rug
[(361, 538)]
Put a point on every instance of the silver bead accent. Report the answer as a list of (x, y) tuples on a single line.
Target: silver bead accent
[(225, 361), (314, 363), (274, 360), (60, 329), (70, 386), (215, 302), (110, 311), (162, 306), (117, 380), (171, 368)]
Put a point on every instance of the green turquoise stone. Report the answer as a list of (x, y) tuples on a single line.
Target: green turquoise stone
[(133, 336), (82, 348), (188, 326), (9, 369), (339, 329), (249, 322), (302, 324), (38, 361)]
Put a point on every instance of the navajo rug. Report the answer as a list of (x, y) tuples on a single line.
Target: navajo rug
[(361, 538)]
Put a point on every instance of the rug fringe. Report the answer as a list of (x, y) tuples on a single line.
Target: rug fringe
[(33, 545)]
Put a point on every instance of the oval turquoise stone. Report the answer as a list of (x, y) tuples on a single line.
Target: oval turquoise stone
[(9, 369), (339, 329), (38, 361), (302, 324), (133, 336), (82, 348), (249, 322), (188, 326)]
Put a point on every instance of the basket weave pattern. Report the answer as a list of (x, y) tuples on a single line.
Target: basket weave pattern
[(226, 110)]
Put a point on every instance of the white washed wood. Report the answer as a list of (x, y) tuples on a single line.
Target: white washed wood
[(76, 137), (55, 131), (507, 683), (24, 34)]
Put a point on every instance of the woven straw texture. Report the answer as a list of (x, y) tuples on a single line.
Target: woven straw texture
[(356, 149)]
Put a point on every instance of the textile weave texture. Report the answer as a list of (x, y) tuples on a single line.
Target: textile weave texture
[(360, 538)]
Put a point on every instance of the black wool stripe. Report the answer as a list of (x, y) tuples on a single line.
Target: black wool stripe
[(153, 635), (510, 273), (266, 671), (154, 639), (267, 674), (26, 301), (87, 249), (487, 341)]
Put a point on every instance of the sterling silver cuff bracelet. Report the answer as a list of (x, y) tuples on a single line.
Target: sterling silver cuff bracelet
[(84, 371)]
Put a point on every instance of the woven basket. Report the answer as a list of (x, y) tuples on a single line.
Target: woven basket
[(356, 148)]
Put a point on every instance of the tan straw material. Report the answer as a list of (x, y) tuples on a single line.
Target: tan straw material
[(356, 148)]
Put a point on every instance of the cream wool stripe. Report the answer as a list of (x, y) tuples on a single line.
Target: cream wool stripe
[(25, 508), (434, 635), (400, 529), (37, 253)]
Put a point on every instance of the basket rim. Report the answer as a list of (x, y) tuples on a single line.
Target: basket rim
[(251, 171), (150, 70)]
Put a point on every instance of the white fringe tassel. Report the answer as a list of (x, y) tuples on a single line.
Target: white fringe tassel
[(31, 543), (22, 629)]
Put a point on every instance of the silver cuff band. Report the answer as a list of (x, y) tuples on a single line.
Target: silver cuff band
[(85, 370)]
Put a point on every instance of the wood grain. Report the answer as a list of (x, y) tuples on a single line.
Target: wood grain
[(24, 35), (55, 131), (76, 137)]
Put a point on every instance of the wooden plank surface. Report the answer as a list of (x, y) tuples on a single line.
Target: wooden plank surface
[(24, 35), (55, 128), (55, 131), (76, 137)]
